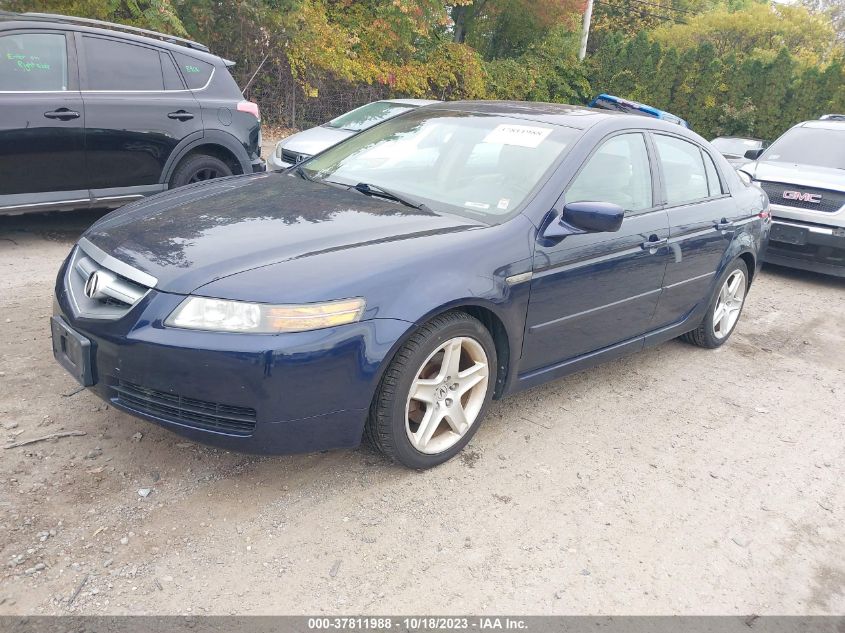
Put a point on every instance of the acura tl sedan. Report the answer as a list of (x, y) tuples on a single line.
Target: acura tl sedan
[(374, 292)]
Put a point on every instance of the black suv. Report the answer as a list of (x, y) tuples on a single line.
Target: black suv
[(95, 114)]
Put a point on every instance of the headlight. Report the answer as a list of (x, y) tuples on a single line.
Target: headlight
[(279, 149), (219, 315)]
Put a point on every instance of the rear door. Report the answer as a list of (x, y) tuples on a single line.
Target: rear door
[(137, 111), (42, 147), (595, 290), (702, 218)]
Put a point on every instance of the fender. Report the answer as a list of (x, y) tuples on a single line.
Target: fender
[(209, 137), (513, 330)]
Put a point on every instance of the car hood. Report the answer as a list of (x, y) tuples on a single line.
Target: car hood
[(315, 140), (195, 235), (793, 174)]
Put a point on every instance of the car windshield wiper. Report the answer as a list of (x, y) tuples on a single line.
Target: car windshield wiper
[(301, 173), (376, 190)]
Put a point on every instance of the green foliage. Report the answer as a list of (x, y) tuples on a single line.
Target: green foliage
[(158, 15), (720, 94)]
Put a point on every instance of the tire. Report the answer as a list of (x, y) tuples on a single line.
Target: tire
[(713, 333), (198, 168), (421, 434)]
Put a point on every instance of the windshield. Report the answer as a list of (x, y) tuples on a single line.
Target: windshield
[(821, 147), (368, 115), (735, 146), (466, 163)]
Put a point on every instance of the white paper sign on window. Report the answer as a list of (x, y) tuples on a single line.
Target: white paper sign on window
[(519, 135)]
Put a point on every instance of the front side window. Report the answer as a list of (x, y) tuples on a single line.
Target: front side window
[(618, 172), (683, 170), (118, 66), (33, 62), (367, 116), (469, 164)]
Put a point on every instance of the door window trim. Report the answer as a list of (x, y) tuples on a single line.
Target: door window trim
[(666, 205), (83, 69), (70, 57), (656, 204)]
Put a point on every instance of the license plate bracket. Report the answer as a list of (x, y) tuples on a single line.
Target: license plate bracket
[(73, 351), (795, 235)]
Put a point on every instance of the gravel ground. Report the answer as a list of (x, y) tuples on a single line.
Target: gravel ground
[(678, 480)]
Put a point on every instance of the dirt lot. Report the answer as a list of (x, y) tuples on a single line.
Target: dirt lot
[(675, 481)]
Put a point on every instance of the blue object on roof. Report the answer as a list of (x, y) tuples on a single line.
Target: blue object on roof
[(609, 102)]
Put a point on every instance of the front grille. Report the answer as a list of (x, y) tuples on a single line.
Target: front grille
[(109, 294), (830, 201), (199, 414), (293, 157)]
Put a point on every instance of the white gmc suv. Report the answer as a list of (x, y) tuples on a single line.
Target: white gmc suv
[(803, 173)]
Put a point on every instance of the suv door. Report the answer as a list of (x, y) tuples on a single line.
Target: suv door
[(137, 111), (701, 219), (594, 290), (42, 160)]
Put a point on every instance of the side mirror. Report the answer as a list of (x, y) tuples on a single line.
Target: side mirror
[(753, 154), (587, 217)]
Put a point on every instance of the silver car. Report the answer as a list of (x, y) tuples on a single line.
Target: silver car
[(297, 147), (803, 173)]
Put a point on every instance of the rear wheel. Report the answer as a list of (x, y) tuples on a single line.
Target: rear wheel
[(724, 309), (198, 168), (434, 394)]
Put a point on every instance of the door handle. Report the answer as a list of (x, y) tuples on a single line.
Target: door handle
[(62, 113), (181, 115), (654, 243), (724, 225)]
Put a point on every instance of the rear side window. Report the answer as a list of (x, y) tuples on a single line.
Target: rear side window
[(33, 62), (713, 183), (196, 72), (683, 170), (113, 65)]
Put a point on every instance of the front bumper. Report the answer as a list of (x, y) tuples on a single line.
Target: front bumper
[(286, 393), (807, 246)]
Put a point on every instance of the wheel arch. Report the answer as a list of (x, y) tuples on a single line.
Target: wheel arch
[(215, 143), (489, 316)]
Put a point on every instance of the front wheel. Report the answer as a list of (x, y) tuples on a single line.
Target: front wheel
[(724, 309), (435, 392)]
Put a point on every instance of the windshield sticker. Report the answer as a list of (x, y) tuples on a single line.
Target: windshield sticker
[(519, 135), (477, 205), (504, 203)]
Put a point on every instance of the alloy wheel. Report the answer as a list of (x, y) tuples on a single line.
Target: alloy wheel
[(201, 175), (447, 395), (729, 304)]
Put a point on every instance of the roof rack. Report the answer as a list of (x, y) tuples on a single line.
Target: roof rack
[(181, 41)]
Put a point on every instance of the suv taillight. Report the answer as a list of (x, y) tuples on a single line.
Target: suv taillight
[(250, 108)]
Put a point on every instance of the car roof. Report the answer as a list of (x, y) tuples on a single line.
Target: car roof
[(70, 23), (827, 124), (578, 117), (413, 102)]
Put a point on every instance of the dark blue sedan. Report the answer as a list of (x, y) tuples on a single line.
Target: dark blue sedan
[(396, 283)]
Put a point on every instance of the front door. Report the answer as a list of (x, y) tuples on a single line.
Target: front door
[(594, 290), (41, 121), (137, 111)]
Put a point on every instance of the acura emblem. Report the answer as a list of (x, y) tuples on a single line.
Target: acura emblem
[(802, 197), (92, 285)]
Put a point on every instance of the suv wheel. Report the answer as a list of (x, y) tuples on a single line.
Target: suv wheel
[(198, 168), (434, 394)]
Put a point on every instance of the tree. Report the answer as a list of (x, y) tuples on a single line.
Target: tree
[(158, 15)]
